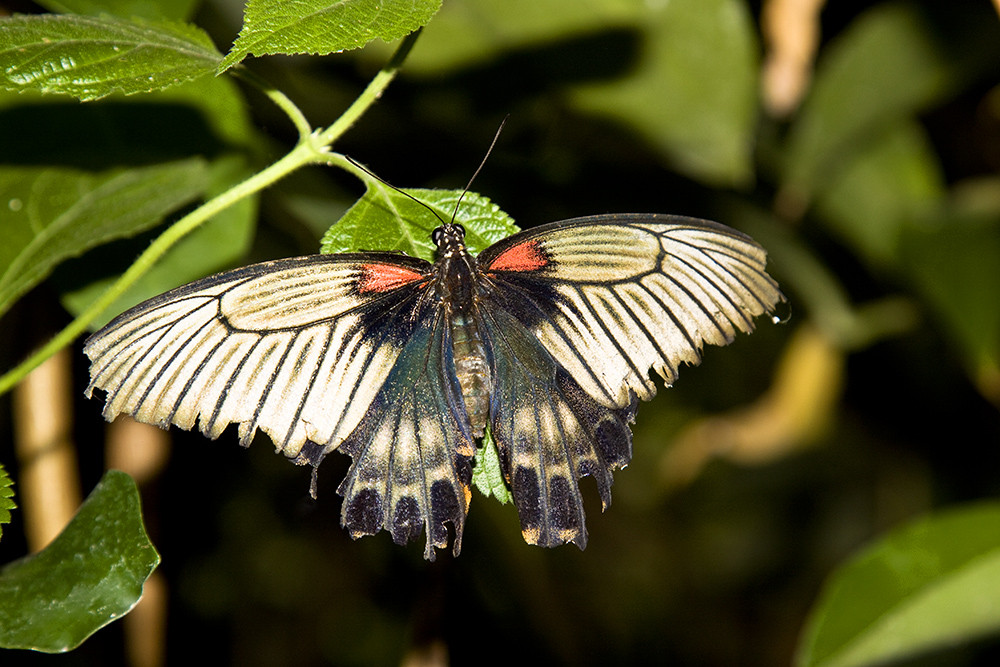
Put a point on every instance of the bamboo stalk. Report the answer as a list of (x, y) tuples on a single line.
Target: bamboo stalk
[(48, 480)]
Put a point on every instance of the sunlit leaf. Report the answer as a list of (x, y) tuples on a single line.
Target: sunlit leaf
[(385, 219), (487, 475), (51, 213), (89, 576), (927, 585), (91, 57), (177, 10), (324, 26)]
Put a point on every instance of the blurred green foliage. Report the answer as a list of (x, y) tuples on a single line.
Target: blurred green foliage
[(878, 198)]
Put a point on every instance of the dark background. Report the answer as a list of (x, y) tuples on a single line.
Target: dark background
[(717, 563)]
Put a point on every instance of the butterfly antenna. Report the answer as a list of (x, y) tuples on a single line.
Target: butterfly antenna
[(480, 167), (400, 191)]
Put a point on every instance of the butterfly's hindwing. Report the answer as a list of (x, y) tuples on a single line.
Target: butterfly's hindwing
[(413, 450), (548, 432), (291, 347)]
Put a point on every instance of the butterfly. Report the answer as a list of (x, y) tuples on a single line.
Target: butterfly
[(546, 339)]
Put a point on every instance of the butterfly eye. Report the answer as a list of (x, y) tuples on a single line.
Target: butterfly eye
[(460, 228), (437, 236)]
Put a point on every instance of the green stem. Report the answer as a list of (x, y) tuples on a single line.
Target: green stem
[(371, 93), (340, 160), (312, 148), (279, 98), (301, 154)]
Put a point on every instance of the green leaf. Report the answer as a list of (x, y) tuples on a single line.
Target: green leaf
[(6, 497), (90, 575), (475, 32), (886, 66), (925, 586), (92, 57), (691, 90), (215, 245), (52, 213), (324, 26), (178, 10), (693, 93), (894, 180), (220, 242), (386, 219), (952, 261), (487, 476)]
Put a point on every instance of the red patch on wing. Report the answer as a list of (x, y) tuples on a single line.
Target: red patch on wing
[(526, 256), (385, 277)]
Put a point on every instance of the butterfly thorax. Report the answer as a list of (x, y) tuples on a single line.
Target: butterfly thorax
[(456, 287)]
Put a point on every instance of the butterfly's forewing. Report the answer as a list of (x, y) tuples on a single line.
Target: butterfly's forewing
[(297, 348), (548, 432), (413, 450), (613, 296)]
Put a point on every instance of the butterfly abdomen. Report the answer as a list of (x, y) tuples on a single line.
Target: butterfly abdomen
[(472, 370)]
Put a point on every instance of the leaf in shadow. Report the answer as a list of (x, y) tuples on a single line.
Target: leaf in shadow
[(89, 576)]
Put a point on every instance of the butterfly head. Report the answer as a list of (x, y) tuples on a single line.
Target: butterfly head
[(449, 239), (455, 267)]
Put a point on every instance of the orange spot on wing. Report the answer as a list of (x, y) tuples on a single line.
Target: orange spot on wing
[(526, 256), (385, 277)]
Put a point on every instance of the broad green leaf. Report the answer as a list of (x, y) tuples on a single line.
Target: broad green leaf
[(487, 476), (92, 57), (324, 26), (51, 213), (385, 219), (89, 576), (177, 10), (475, 32), (218, 244), (885, 67), (693, 91), (894, 180), (6, 497), (925, 586), (953, 262)]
